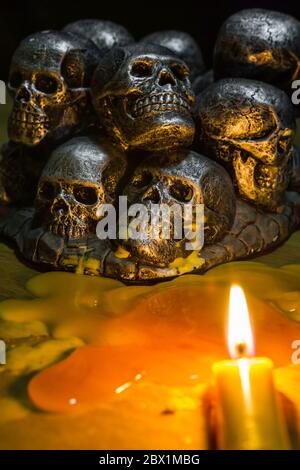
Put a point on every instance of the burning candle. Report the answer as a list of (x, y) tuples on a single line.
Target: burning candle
[(248, 413)]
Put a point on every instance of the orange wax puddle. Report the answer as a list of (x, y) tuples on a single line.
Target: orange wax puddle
[(94, 375), (168, 334)]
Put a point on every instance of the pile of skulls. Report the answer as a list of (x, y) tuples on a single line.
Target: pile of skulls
[(97, 115)]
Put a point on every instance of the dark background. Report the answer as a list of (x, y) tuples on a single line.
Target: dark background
[(200, 18)]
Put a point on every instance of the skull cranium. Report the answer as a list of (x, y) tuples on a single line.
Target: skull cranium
[(183, 45), (259, 44), (103, 33)]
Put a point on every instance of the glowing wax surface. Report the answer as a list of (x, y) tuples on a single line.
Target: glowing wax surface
[(130, 364)]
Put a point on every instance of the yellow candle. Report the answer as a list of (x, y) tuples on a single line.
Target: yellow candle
[(248, 412)]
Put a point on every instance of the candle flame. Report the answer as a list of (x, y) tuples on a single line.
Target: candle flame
[(240, 337)]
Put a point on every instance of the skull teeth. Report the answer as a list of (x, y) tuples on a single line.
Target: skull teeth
[(160, 103), (28, 118), (64, 230), (269, 178)]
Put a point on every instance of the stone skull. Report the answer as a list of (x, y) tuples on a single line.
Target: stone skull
[(183, 45), (104, 34), (259, 44), (80, 175), (49, 81), (143, 97), (181, 178), (248, 126)]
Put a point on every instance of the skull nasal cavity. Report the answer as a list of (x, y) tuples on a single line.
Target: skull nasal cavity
[(23, 95), (60, 207), (166, 78)]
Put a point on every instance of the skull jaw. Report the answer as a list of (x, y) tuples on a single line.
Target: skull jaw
[(154, 252), (156, 131), (157, 247), (68, 231), (65, 226), (27, 128), (29, 125), (263, 191), (164, 133), (277, 67)]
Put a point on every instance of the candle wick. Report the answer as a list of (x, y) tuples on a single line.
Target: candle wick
[(241, 349)]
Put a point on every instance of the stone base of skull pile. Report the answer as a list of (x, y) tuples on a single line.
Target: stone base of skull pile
[(97, 116)]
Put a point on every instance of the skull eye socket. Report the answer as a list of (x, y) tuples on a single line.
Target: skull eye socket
[(46, 84), (85, 195), (15, 79), (180, 71), (143, 180), (141, 69), (47, 191), (182, 192), (72, 70)]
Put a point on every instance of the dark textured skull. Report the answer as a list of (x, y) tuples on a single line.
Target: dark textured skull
[(81, 175), (248, 125), (184, 177), (259, 44), (143, 97), (183, 45), (104, 34), (203, 81), (49, 80)]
